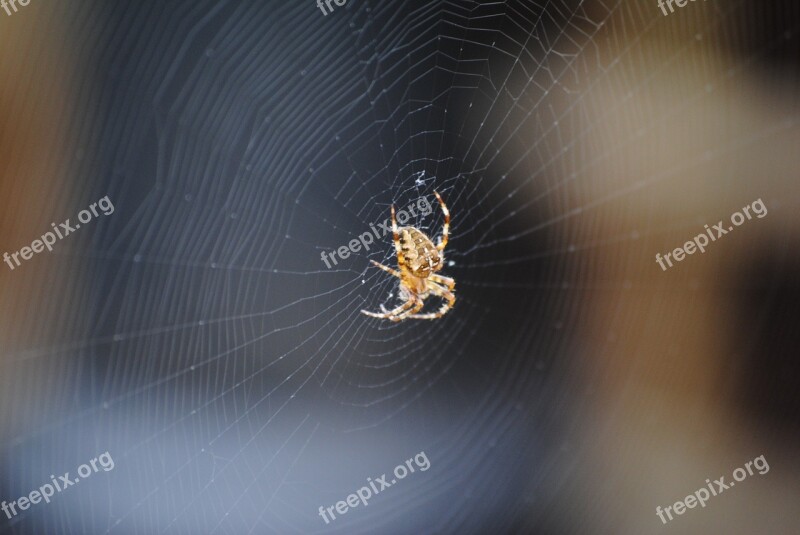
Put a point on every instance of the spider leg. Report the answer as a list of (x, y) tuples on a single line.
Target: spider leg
[(398, 313), (446, 229), (441, 279), (387, 269), (409, 313), (401, 258), (413, 303), (444, 294)]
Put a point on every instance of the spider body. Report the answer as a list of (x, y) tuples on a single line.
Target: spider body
[(418, 260), (422, 256)]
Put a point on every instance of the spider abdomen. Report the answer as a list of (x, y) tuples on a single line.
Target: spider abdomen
[(421, 255)]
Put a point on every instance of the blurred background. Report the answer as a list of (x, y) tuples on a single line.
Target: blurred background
[(196, 335)]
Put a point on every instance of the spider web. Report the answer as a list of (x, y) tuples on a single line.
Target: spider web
[(228, 371)]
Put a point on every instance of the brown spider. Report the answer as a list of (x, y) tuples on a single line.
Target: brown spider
[(419, 260)]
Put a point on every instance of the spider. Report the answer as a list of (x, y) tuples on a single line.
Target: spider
[(419, 260)]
